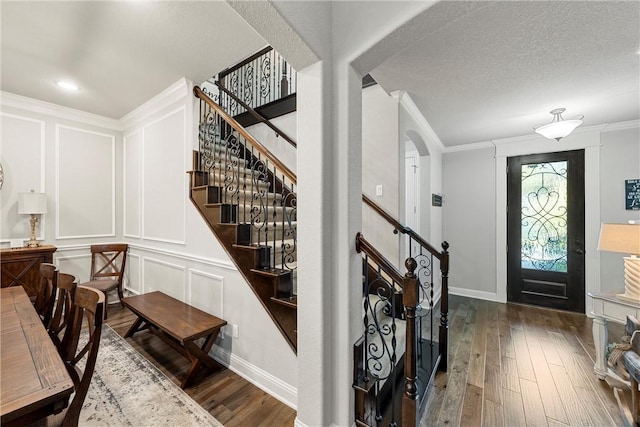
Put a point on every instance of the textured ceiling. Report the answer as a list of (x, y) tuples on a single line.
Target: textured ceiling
[(496, 71), (120, 53), (483, 71)]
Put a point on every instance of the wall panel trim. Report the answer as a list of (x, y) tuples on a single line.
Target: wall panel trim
[(57, 183)]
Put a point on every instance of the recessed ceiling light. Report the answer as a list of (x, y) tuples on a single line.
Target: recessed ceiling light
[(66, 85)]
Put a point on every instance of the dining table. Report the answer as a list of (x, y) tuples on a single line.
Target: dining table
[(34, 382)]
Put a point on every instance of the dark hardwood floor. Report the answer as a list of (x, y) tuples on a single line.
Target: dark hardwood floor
[(515, 365), (231, 399), (509, 365)]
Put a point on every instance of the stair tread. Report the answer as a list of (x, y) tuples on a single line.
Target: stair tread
[(288, 301)]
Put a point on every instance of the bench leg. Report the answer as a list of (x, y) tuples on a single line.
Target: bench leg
[(134, 327), (199, 356)]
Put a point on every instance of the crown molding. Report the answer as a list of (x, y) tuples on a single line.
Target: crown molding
[(170, 95), (630, 124), (405, 100), (469, 147), (37, 106)]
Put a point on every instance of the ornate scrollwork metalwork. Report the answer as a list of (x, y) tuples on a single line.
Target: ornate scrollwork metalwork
[(247, 84), (265, 77), (544, 216), (380, 329), (289, 233), (260, 185)]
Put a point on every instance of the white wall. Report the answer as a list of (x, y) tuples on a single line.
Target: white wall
[(469, 221), (619, 160), (381, 166), (126, 180), (278, 146), (72, 157)]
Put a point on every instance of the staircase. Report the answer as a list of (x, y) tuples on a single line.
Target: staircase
[(247, 198)]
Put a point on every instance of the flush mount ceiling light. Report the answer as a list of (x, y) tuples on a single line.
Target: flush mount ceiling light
[(66, 85), (559, 127)]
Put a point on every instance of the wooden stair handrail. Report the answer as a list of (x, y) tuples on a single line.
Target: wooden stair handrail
[(257, 115), (362, 245), (246, 135), (403, 229)]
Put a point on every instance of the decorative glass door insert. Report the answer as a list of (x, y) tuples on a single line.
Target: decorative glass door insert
[(544, 216)]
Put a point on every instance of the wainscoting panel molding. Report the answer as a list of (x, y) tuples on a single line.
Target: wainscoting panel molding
[(132, 178), (78, 265), (23, 163), (133, 274), (164, 181), (206, 292), (163, 276), (85, 205)]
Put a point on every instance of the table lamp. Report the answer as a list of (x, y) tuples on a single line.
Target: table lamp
[(33, 204), (624, 238)]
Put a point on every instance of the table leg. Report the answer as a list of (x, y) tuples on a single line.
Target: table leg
[(600, 340)]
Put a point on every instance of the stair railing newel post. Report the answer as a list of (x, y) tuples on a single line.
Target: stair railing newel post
[(410, 292), (444, 307)]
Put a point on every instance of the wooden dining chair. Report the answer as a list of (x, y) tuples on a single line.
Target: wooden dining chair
[(107, 269), (47, 288), (88, 304), (64, 304)]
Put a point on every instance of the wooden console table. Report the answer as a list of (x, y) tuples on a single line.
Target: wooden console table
[(21, 266), (179, 325), (608, 307)]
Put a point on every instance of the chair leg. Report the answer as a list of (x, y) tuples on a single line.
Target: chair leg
[(120, 294), (106, 304)]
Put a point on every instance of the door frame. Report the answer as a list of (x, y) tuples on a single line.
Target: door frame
[(587, 139), (574, 277)]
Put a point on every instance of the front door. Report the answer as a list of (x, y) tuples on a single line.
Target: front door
[(545, 230)]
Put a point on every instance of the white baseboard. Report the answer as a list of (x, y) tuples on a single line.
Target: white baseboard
[(277, 388), (471, 293), (298, 423)]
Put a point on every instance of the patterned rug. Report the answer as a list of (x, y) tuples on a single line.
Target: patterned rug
[(128, 390)]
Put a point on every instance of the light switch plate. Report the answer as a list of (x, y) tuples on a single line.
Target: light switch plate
[(379, 190)]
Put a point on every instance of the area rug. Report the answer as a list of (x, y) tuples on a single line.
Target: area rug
[(128, 390)]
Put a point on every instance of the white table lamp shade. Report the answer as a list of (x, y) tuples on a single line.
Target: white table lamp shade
[(32, 203), (624, 238)]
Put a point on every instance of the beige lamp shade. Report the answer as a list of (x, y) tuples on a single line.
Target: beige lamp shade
[(624, 238), (32, 203)]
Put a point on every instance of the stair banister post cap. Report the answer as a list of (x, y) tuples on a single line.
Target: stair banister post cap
[(411, 265)]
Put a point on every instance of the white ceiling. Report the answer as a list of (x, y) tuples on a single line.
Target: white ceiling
[(120, 53), (496, 71), (492, 71)]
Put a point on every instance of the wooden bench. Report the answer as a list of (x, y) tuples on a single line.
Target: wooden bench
[(179, 325)]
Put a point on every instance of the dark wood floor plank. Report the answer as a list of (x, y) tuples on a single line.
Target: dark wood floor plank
[(478, 350), (510, 378), (523, 357), (458, 371), (504, 327), (472, 406), (549, 394), (573, 403), (492, 414), (513, 409), (532, 403)]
